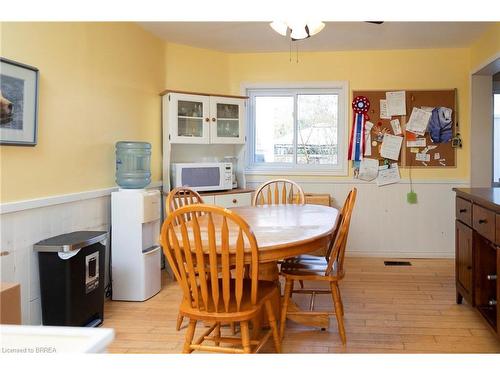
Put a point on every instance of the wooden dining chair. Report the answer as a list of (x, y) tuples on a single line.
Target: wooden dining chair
[(279, 191), (201, 252), (329, 269), (177, 198)]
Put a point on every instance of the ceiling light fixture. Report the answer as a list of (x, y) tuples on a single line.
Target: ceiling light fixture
[(297, 30)]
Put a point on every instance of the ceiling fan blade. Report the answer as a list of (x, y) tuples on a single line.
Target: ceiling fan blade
[(375, 22)]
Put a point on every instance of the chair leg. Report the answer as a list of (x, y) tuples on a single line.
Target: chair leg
[(274, 326), (179, 321), (233, 328), (338, 310), (189, 336), (286, 298), (245, 337), (256, 327), (217, 334), (301, 282)]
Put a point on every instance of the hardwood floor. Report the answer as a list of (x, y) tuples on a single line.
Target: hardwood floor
[(387, 310)]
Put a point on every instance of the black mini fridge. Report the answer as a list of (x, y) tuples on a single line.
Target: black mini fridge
[(72, 278)]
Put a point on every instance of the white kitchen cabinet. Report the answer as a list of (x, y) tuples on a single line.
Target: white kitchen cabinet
[(226, 120), (188, 118), (235, 198), (204, 119)]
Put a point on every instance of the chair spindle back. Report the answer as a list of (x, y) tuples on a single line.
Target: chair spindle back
[(180, 197), (279, 191), (202, 252), (337, 251)]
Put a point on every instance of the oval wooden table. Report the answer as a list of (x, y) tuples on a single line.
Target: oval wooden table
[(284, 231)]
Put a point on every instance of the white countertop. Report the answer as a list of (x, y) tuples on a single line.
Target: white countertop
[(50, 339)]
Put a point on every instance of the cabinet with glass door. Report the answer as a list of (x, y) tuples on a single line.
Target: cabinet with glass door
[(189, 118), (227, 120)]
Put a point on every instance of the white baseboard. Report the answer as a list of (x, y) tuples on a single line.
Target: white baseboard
[(400, 255)]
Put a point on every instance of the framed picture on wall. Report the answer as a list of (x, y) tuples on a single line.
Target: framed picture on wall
[(18, 103)]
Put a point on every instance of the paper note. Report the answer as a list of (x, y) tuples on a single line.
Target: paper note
[(391, 146), (414, 150), (419, 142), (437, 156), (396, 103), (368, 138), (427, 149), (396, 127), (388, 175), (427, 109), (422, 157), (368, 169), (383, 109), (419, 119)]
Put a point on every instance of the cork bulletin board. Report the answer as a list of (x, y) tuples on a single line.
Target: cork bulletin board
[(414, 98)]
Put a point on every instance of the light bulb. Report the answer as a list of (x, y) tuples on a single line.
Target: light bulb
[(315, 27), (280, 27), (298, 31)]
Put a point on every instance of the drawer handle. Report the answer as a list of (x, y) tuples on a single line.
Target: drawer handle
[(213, 119), (207, 119), (462, 210), (482, 221), (235, 200)]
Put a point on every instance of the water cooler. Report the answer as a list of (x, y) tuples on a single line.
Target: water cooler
[(135, 249)]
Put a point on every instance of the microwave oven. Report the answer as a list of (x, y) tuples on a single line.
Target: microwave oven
[(202, 176)]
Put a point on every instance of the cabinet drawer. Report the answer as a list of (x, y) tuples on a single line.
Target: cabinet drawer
[(463, 211), (208, 199), (483, 221), (233, 200)]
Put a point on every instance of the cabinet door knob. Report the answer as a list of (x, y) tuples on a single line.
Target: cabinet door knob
[(235, 200), (213, 119), (462, 210), (482, 221), (207, 119)]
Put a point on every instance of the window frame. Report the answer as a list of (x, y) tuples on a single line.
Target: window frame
[(339, 88)]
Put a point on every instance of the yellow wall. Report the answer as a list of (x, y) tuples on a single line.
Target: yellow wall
[(196, 69), (486, 47), (99, 83), (394, 69)]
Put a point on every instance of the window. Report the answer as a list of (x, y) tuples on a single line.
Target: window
[(297, 130)]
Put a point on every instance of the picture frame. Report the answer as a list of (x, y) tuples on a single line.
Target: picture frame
[(18, 103)]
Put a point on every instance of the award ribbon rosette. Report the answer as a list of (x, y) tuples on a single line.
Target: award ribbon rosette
[(360, 107)]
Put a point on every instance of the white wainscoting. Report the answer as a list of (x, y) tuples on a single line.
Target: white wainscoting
[(22, 224), (385, 225)]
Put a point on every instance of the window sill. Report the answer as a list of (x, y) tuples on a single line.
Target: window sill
[(296, 172)]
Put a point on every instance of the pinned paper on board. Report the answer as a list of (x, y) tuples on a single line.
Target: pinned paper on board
[(396, 127), (368, 169), (419, 142), (419, 119), (437, 156), (396, 103), (388, 175), (391, 146), (383, 110), (422, 157), (368, 138)]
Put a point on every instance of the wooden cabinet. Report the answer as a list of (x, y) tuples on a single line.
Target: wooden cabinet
[(463, 262), (477, 245), (204, 119)]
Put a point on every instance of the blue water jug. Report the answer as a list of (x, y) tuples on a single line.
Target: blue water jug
[(133, 161)]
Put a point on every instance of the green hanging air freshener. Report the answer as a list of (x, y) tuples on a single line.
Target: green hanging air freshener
[(411, 197)]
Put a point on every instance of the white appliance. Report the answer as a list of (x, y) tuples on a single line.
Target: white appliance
[(135, 248), (202, 176)]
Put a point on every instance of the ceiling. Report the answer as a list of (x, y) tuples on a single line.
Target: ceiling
[(259, 37)]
